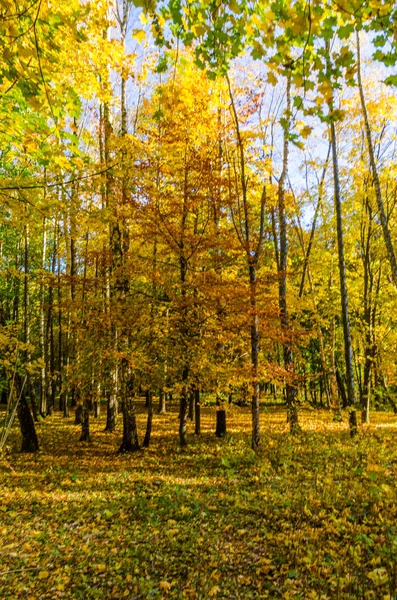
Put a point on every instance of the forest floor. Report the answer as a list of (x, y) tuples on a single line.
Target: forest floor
[(311, 516)]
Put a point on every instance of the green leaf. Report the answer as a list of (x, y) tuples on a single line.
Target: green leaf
[(345, 32), (391, 80)]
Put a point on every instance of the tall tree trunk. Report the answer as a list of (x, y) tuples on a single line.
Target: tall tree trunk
[(26, 320), (86, 407), (291, 390), (255, 440), (197, 412), (342, 268), (51, 385), (220, 430), (130, 442), (183, 407), (42, 337), (146, 441), (183, 400), (191, 405), (111, 409), (253, 251), (374, 170), (29, 436)]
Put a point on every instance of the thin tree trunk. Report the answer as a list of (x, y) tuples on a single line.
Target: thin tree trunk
[(85, 420), (253, 252), (183, 407), (162, 403), (374, 169), (26, 320), (220, 423), (130, 442), (291, 391), (197, 412), (191, 405), (43, 370), (146, 441), (342, 270), (28, 431), (51, 385)]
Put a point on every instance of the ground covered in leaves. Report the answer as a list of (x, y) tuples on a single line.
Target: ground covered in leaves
[(314, 516)]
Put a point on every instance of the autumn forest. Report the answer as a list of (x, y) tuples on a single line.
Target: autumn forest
[(198, 291)]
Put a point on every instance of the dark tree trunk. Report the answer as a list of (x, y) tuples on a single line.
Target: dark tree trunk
[(111, 413), (183, 406), (73, 399), (30, 393), (254, 360), (191, 405), (149, 397), (85, 421), (78, 415), (97, 408), (197, 412), (220, 423), (130, 442), (29, 436)]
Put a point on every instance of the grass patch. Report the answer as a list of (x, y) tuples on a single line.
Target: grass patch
[(309, 516)]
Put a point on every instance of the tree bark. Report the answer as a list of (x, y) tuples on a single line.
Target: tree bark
[(85, 420), (220, 423), (291, 390), (183, 408), (29, 437), (342, 269), (162, 402), (253, 251), (146, 441), (197, 412), (130, 441), (374, 169), (43, 369)]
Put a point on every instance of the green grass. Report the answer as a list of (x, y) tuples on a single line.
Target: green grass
[(314, 516)]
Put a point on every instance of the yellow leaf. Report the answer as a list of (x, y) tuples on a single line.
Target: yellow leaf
[(214, 591), (378, 576), (43, 574), (139, 35), (143, 19), (271, 78), (101, 567), (165, 586)]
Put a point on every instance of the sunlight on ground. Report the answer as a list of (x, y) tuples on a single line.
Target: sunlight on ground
[(311, 516)]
